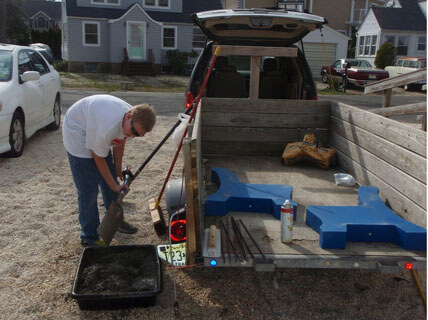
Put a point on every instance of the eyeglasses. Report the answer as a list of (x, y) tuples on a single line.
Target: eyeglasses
[(133, 131)]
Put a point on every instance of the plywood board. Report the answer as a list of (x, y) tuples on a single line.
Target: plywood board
[(405, 160), (260, 134), (407, 137), (311, 186), (238, 119), (265, 106), (397, 179), (256, 51)]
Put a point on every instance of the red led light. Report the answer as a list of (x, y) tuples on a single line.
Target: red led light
[(178, 230), (408, 266), (189, 99)]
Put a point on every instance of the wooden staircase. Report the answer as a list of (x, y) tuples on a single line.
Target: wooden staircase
[(133, 68)]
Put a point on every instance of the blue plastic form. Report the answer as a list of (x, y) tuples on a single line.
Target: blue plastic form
[(370, 221), (233, 195)]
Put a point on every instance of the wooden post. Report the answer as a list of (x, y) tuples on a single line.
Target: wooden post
[(255, 77), (190, 212), (424, 122), (387, 98)]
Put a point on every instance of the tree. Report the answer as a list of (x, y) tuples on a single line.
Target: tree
[(16, 27), (385, 56), (3, 16)]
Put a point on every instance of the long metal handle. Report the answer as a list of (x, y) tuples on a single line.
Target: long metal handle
[(201, 92)]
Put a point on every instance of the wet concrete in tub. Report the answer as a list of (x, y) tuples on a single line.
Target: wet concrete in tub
[(118, 273)]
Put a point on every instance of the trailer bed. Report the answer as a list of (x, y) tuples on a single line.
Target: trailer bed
[(311, 186)]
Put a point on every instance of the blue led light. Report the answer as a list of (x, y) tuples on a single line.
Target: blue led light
[(213, 263)]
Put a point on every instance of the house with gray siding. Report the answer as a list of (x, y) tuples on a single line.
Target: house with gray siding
[(100, 35), (401, 22), (42, 15)]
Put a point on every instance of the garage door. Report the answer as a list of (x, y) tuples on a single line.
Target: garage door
[(316, 56)]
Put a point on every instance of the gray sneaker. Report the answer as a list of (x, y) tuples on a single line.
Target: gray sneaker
[(126, 227)]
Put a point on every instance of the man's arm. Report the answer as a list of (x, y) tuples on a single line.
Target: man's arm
[(103, 168), (117, 158)]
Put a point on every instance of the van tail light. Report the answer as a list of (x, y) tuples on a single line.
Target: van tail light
[(189, 99), (178, 230), (315, 98)]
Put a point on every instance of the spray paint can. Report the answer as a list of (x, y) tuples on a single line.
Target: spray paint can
[(287, 222)]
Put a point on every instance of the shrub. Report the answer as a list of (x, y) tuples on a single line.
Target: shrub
[(385, 56), (60, 65), (335, 85), (178, 60)]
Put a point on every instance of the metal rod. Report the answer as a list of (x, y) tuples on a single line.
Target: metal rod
[(235, 251), (222, 244), (227, 239), (239, 237), (251, 237), (244, 242)]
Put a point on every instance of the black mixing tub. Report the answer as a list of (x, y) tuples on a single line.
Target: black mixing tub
[(117, 277)]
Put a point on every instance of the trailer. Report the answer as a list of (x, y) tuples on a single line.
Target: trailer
[(248, 136)]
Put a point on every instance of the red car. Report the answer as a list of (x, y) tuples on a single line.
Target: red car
[(359, 72)]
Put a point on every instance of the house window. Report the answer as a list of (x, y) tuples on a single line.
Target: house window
[(91, 33), (402, 45), (390, 39), (361, 46), (373, 47), (41, 23), (157, 3), (422, 43), (169, 40), (198, 38), (112, 2), (367, 46)]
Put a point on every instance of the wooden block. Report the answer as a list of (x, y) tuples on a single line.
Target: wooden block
[(157, 218), (213, 237)]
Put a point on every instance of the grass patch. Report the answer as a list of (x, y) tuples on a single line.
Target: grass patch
[(112, 82)]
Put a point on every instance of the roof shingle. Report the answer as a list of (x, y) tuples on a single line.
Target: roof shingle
[(189, 7), (407, 18), (51, 8)]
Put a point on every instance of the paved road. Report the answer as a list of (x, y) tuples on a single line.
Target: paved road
[(171, 104), (165, 103)]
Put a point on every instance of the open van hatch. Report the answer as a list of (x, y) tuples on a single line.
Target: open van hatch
[(286, 27)]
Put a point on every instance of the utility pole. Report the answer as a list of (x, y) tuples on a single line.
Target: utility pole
[(3, 15)]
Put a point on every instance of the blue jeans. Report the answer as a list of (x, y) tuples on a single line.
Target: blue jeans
[(87, 178)]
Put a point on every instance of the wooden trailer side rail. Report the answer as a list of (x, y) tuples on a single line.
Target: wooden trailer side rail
[(384, 153)]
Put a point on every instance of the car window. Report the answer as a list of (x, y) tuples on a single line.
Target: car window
[(422, 63), (24, 63), (336, 64), (406, 63), (38, 62), (400, 63), (365, 64), (5, 66), (413, 64)]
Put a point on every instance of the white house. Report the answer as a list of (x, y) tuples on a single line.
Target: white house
[(403, 24)]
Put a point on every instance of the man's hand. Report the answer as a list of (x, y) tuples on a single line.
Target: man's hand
[(119, 173), (119, 187)]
